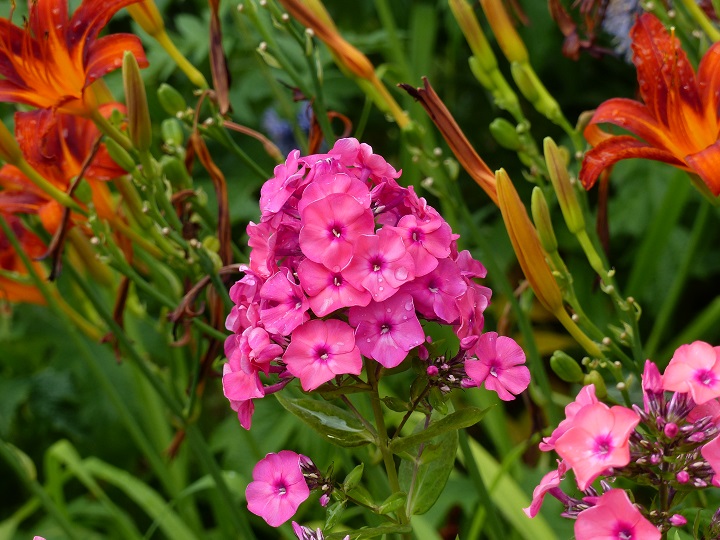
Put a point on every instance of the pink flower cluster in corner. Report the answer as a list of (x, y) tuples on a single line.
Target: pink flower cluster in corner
[(675, 449), (347, 263)]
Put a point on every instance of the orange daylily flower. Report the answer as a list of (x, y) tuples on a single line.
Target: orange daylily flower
[(50, 62), (58, 155), (679, 122), (12, 290)]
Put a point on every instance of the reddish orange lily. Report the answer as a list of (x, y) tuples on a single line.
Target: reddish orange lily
[(679, 122), (12, 290), (50, 62), (58, 156)]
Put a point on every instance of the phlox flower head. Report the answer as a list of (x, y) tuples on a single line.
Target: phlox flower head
[(500, 365), (598, 440), (694, 369), (278, 487), (614, 517)]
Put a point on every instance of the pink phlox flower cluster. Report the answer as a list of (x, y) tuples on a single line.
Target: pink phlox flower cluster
[(671, 442), (346, 262)]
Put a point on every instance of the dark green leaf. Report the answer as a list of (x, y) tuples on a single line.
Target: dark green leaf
[(335, 424), (334, 511), (457, 420)]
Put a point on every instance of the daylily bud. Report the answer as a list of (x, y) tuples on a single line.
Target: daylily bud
[(543, 223), (171, 100), (9, 149), (512, 46), (146, 14), (566, 367), (527, 245), (119, 155), (596, 379), (563, 188), (505, 134), (172, 132), (535, 92), (137, 107), (468, 23)]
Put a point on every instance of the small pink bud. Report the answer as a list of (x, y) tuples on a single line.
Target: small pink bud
[(698, 436), (682, 477), (670, 430), (432, 371), (423, 353), (655, 459), (324, 500), (676, 520)]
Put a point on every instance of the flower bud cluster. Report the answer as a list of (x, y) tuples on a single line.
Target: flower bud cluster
[(671, 443), (345, 264)]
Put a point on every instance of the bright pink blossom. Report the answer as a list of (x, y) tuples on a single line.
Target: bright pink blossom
[(328, 184), (287, 178), (598, 440), (586, 396), (244, 410), (614, 517), (330, 227), (283, 305), (694, 369), (551, 481), (329, 290), (319, 350), (380, 264), (436, 293), (278, 487), (500, 365), (386, 331), (426, 241), (711, 453)]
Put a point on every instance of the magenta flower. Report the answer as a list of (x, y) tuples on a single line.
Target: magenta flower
[(320, 350), (426, 241), (380, 264), (499, 365), (711, 453), (329, 290), (386, 331), (330, 227), (240, 382), (278, 488), (614, 517), (586, 396), (328, 184), (436, 294), (598, 440), (694, 369), (244, 410), (283, 305), (550, 482), (288, 178)]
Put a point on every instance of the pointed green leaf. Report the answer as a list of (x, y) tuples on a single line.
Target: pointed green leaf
[(453, 422), (333, 423)]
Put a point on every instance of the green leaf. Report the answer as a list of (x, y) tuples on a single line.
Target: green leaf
[(353, 478), (453, 422), (371, 532), (336, 425), (425, 477), (333, 514)]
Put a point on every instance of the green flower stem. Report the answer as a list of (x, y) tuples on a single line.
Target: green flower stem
[(49, 188), (36, 489), (358, 415), (701, 19), (383, 441), (673, 296), (109, 130), (222, 136), (126, 417), (494, 528), (190, 71), (225, 499)]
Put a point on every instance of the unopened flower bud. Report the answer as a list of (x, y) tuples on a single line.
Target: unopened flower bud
[(137, 106), (470, 27), (432, 371), (563, 188), (566, 367), (423, 353), (595, 378), (324, 500), (543, 223), (505, 134), (119, 155), (670, 430), (507, 37), (677, 520), (171, 100), (146, 14), (682, 477)]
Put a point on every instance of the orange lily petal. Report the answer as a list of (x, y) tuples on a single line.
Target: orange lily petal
[(106, 55), (706, 164), (634, 117), (615, 149), (709, 80)]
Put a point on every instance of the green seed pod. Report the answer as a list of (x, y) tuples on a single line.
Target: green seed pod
[(566, 367), (171, 100), (596, 379)]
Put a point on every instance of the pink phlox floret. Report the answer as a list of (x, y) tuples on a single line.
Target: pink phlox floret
[(550, 482), (586, 396), (598, 440), (387, 331), (614, 517), (471, 305), (709, 409), (319, 350), (711, 453), (694, 369), (436, 294), (283, 304), (335, 183), (330, 227), (287, 179), (500, 366), (426, 241), (278, 488), (380, 264), (470, 267), (328, 290)]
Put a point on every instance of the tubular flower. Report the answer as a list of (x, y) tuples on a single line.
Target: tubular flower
[(52, 60), (678, 123)]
